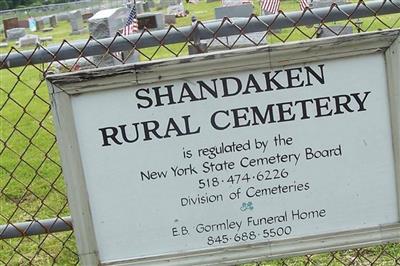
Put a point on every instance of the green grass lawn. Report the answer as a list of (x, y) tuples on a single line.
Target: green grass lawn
[(31, 183)]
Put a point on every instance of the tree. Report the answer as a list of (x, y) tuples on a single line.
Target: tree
[(13, 3), (3, 5)]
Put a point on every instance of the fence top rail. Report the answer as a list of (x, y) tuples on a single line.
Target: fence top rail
[(207, 30)]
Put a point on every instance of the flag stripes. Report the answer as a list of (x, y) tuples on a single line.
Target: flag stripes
[(303, 4), (129, 29), (271, 6)]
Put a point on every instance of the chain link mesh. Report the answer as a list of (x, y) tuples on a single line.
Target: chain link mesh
[(31, 180)]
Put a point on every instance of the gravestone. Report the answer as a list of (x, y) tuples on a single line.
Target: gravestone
[(46, 19), (39, 24), (237, 41), (46, 39), (170, 19), (150, 3), (23, 23), (15, 34), (86, 16), (62, 16), (10, 23), (334, 31), (234, 11), (72, 65), (28, 40), (146, 7), (251, 39), (154, 21), (173, 2), (323, 31), (76, 21), (139, 7), (231, 2), (325, 3), (94, 10), (198, 49), (175, 10), (106, 23), (53, 21), (32, 24), (163, 4)]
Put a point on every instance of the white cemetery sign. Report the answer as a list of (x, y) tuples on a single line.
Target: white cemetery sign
[(234, 156)]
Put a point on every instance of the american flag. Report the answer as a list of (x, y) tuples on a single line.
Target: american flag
[(271, 6), (129, 29), (303, 4)]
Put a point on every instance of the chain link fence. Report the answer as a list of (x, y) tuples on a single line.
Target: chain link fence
[(35, 227)]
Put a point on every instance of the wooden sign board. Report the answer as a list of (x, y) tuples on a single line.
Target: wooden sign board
[(234, 156)]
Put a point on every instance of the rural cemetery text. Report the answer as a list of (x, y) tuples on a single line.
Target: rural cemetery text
[(234, 158)]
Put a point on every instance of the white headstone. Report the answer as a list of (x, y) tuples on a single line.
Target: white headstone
[(76, 21), (28, 40), (106, 23), (15, 34)]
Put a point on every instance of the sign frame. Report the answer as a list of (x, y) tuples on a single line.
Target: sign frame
[(64, 86)]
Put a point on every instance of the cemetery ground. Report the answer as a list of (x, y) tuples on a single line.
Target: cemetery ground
[(39, 189)]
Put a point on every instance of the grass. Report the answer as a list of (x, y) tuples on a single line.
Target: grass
[(59, 33), (31, 184)]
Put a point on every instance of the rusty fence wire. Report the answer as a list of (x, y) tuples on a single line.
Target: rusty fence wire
[(35, 227)]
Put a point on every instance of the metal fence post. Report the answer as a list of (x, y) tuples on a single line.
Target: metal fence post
[(198, 47)]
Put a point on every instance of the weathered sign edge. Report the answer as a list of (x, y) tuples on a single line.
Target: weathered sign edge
[(78, 198), (271, 56), (392, 58)]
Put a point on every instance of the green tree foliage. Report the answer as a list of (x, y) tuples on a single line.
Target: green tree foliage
[(3, 5)]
